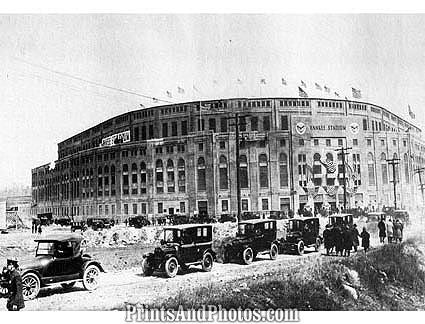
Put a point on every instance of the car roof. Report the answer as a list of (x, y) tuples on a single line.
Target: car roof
[(340, 215), (375, 213), (60, 238), (400, 211), (256, 221), (185, 226), (303, 218)]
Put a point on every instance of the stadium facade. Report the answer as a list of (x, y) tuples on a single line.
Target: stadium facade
[(180, 158)]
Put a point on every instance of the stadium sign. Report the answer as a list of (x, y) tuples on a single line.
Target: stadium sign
[(115, 139)]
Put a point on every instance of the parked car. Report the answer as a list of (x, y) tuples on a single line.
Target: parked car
[(254, 236), (302, 232), (78, 225), (278, 214), (100, 223), (340, 220), (227, 218), (63, 221), (59, 260), (182, 246), (250, 215), (138, 221)]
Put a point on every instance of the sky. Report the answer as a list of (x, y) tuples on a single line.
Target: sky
[(57, 71)]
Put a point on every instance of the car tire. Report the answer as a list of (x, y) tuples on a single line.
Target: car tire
[(171, 267), (300, 248), (91, 277), (30, 286), (317, 245), (67, 286), (207, 262), (147, 268), (274, 251), (247, 256)]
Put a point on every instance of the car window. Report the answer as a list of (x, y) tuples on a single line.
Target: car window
[(45, 248), (64, 249)]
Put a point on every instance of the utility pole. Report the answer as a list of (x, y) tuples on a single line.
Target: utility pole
[(419, 171), (344, 152), (393, 162)]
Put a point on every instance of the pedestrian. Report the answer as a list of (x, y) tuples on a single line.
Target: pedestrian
[(339, 241), (15, 302), (327, 239), (348, 240), (355, 235), (397, 231), (40, 230), (390, 231), (382, 230), (365, 239)]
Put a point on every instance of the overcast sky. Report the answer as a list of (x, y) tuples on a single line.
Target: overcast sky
[(383, 56)]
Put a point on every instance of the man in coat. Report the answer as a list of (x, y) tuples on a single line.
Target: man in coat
[(355, 235), (382, 230), (348, 240), (15, 302), (365, 239), (328, 239), (390, 231)]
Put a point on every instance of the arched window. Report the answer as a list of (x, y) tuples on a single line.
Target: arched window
[(159, 176), (406, 167), (371, 169), (170, 176), (397, 174), (106, 179), (99, 182), (143, 185), (125, 189), (223, 177), (317, 170), (134, 180), (182, 175), (243, 171), (283, 170), (125, 168), (263, 171), (384, 169), (202, 184)]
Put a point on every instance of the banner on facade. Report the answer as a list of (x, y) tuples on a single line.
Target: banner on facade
[(115, 139)]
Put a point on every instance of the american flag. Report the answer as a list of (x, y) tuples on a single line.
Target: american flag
[(331, 190), (169, 94), (411, 113), (180, 90), (284, 81), (329, 166), (318, 87), (356, 93), (327, 89), (336, 94), (302, 93), (263, 81), (303, 84)]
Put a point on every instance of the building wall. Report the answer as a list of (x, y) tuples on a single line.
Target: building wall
[(295, 127)]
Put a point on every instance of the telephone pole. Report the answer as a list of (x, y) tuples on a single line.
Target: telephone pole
[(419, 171), (393, 162), (344, 152)]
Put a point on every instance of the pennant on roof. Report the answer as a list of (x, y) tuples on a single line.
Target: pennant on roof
[(327, 89), (303, 84), (155, 99), (411, 113), (169, 94), (356, 93), (318, 87), (302, 93), (284, 81), (336, 94), (180, 90), (263, 81)]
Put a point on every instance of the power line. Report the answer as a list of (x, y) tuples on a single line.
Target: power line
[(90, 82)]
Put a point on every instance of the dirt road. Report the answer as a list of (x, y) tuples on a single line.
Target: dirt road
[(132, 286)]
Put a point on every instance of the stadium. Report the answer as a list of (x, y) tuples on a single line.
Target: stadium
[(181, 159)]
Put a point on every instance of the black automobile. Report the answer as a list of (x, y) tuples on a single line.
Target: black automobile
[(100, 223), (302, 232), (254, 236), (340, 220), (250, 215), (227, 218), (182, 246), (63, 221), (138, 221), (59, 260), (78, 226)]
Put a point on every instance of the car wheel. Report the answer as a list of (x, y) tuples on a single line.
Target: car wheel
[(247, 255), (30, 286), (207, 262), (91, 277), (274, 250), (317, 245), (171, 267), (68, 285), (300, 248), (147, 268)]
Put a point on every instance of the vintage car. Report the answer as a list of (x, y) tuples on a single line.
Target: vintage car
[(63, 221), (78, 225), (182, 246), (302, 232), (59, 260), (340, 220), (401, 215), (138, 221), (227, 218), (250, 215), (100, 223), (254, 236)]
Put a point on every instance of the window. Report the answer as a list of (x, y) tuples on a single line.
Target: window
[(222, 145), (384, 169), (264, 204), (364, 124), (136, 133), (224, 205), (223, 177), (202, 185), (182, 207), (266, 123), (184, 127), (357, 169), (181, 175), (160, 208), (340, 143), (284, 125), (159, 176), (174, 129), (263, 171), (283, 170), (151, 133), (211, 124), (371, 169), (242, 124), (355, 142), (302, 168), (134, 209), (201, 125), (243, 171), (223, 125), (301, 142), (254, 123), (382, 142), (200, 147), (143, 208), (282, 142), (328, 142), (244, 204), (100, 210), (143, 178), (394, 142), (368, 142), (315, 142), (125, 209), (404, 143), (143, 131), (164, 130), (406, 168)]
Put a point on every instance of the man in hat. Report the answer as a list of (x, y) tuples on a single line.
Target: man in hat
[(15, 302)]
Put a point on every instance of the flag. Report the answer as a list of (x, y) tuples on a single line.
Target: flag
[(411, 113), (155, 99), (303, 84), (356, 93), (336, 94), (195, 89), (169, 94), (263, 81), (302, 93), (318, 87), (329, 166), (180, 90), (327, 89), (142, 105), (284, 81)]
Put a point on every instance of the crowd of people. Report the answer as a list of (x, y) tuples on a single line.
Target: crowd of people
[(392, 230)]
